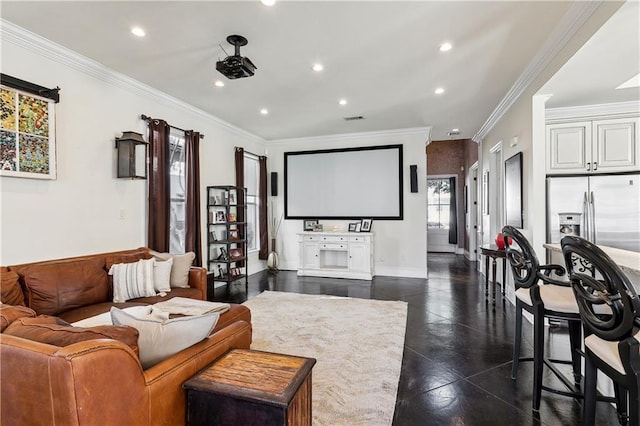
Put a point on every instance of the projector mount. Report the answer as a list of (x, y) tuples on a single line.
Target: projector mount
[(236, 66)]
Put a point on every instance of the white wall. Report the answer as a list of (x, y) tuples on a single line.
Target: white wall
[(518, 121), (400, 246), (80, 212)]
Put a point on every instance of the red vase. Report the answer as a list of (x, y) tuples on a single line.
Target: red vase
[(500, 241)]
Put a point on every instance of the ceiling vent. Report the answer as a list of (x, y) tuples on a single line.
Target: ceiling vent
[(236, 66), (355, 117), (453, 133)]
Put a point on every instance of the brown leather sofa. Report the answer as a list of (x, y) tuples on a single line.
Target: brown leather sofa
[(98, 381)]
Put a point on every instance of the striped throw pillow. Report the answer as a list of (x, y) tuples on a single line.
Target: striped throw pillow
[(132, 280)]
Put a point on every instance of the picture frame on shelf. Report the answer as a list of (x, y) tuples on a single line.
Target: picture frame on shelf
[(318, 227), (358, 226), (213, 236), (233, 234), (235, 253), (309, 224), (352, 226), (232, 217), (232, 197), (223, 254), (221, 217), (365, 225)]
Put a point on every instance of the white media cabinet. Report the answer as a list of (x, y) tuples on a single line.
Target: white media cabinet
[(336, 255)]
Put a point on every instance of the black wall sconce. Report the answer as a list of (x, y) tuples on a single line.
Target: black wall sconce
[(132, 156)]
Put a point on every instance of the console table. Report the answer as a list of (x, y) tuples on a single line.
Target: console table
[(492, 251), (336, 255)]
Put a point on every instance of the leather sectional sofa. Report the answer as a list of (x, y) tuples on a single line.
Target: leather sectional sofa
[(99, 381)]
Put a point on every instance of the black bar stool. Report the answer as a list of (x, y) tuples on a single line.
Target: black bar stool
[(610, 311)]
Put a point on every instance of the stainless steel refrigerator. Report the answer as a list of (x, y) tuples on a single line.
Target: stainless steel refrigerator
[(607, 207)]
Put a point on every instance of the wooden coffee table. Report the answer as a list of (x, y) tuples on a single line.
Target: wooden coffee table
[(246, 387)]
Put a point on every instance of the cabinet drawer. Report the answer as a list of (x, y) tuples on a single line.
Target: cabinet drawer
[(311, 238), (333, 246), (360, 239), (333, 239)]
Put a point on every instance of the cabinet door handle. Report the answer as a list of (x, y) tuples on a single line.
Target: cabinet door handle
[(588, 166), (595, 166)]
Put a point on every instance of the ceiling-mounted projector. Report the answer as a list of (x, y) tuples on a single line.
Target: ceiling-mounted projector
[(236, 66)]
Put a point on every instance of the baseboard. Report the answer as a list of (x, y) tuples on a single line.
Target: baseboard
[(388, 271)]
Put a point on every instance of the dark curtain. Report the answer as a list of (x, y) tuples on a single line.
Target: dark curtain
[(158, 220), (239, 159), (262, 213), (453, 213), (192, 241)]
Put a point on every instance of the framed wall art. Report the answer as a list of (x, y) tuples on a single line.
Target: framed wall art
[(27, 132)]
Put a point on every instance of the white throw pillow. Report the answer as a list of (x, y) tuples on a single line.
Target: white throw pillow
[(132, 280), (180, 267), (159, 339), (162, 275)]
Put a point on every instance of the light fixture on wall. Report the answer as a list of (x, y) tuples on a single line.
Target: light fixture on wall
[(132, 156)]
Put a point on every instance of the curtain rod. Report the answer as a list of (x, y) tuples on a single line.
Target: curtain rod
[(250, 153), (147, 118)]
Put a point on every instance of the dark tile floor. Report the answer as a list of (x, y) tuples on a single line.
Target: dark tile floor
[(457, 357)]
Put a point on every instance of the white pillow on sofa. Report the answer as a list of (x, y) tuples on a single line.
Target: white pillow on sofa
[(179, 269), (132, 280), (162, 275), (159, 339)]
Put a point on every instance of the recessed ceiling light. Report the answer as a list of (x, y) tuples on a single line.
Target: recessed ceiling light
[(137, 31), (439, 91), (342, 101), (219, 83), (268, 2), (444, 47), (455, 130), (317, 67), (264, 111)]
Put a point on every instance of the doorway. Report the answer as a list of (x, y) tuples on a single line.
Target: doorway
[(442, 214)]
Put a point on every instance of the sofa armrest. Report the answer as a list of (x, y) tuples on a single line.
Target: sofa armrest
[(198, 280), (164, 380)]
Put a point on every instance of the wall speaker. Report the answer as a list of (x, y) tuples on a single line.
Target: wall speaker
[(274, 184), (413, 177)]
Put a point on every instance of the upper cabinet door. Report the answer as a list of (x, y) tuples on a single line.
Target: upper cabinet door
[(569, 148), (615, 145)]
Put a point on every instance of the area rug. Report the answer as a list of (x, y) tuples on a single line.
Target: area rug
[(358, 345)]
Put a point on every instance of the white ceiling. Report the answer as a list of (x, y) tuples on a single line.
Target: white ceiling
[(381, 56)]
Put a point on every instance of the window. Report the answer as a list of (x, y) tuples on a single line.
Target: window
[(438, 200), (177, 185), (252, 183)]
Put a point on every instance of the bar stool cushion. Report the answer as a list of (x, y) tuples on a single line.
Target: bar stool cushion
[(607, 351), (554, 297)]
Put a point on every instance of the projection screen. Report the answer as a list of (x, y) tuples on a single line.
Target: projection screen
[(350, 183)]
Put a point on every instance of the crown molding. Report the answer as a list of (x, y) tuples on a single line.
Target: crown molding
[(426, 131), (11, 33), (620, 109), (572, 21)]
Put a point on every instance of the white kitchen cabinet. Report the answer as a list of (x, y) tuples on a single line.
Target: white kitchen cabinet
[(337, 255), (594, 146)]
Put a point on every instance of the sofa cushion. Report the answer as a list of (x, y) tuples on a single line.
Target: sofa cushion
[(191, 293), (10, 291), (85, 312), (131, 280), (179, 269), (54, 331), (159, 339), (10, 313), (53, 288), (112, 259)]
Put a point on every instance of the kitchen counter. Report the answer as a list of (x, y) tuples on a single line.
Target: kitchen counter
[(628, 261)]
